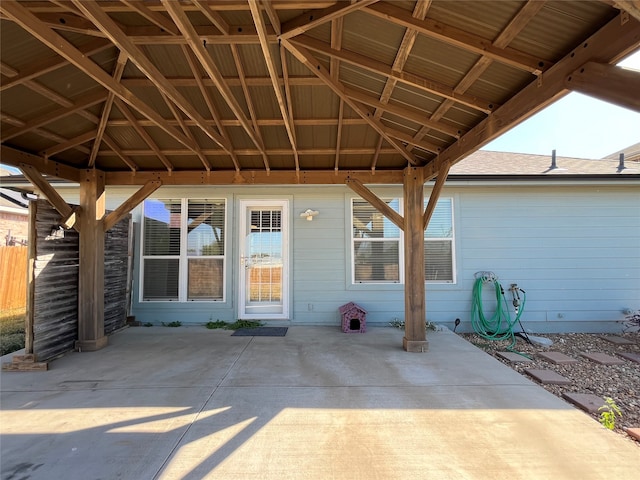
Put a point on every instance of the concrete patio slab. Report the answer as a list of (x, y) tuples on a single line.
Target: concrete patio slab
[(192, 403)]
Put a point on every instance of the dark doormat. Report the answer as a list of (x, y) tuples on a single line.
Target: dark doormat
[(261, 332)]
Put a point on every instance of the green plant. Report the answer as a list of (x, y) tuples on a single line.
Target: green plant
[(217, 324), (400, 324), (12, 330), (148, 324), (172, 324), (243, 324), (608, 413)]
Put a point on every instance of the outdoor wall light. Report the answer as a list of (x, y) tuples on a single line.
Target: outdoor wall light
[(309, 214)]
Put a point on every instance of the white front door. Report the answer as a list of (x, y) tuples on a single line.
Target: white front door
[(263, 278)]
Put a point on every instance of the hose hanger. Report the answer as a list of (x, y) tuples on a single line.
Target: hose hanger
[(498, 326)]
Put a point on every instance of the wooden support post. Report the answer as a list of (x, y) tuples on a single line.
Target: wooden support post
[(91, 335), (415, 333)]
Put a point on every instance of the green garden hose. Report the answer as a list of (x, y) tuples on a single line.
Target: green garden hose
[(500, 325)]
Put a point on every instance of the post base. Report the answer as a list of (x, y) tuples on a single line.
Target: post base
[(91, 345), (415, 346)]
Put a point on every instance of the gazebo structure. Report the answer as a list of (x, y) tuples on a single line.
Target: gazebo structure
[(251, 93)]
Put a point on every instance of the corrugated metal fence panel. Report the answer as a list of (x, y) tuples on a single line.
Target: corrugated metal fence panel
[(116, 264), (55, 309), (56, 269), (13, 277)]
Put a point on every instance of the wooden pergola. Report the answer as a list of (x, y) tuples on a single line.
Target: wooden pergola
[(258, 92)]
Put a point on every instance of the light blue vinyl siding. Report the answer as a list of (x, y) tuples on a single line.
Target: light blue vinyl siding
[(575, 250)]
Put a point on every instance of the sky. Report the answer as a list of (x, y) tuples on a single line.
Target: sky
[(575, 126)]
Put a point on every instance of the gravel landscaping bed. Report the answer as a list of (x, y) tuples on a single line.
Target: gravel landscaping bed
[(619, 382)]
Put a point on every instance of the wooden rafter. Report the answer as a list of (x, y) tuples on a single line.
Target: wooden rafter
[(133, 121), (154, 17), (106, 110), (11, 156), (52, 64), (273, 16), (459, 38), (65, 49), (118, 151), (71, 143), (312, 19), (517, 23), (317, 68), (200, 51), (334, 67), (289, 102), (214, 17), (82, 103), (271, 67), (629, 6), (409, 38), (120, 39), (612, 84), (249, 102), (375, 66), (608, 44)]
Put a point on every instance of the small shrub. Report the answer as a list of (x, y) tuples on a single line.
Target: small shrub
[(608, 413), (148, 324), (217, 324), (243, 324), (632, 321), (172, 324), (400, 324)]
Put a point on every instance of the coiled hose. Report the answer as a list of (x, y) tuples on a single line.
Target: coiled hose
[(500, 325)]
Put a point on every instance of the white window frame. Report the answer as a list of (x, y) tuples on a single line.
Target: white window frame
[(401, 252), (452, 239), (184, 257)]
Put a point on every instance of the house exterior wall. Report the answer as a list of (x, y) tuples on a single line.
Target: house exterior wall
[(574, 249)]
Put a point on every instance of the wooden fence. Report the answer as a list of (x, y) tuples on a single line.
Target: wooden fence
[(13, 277)]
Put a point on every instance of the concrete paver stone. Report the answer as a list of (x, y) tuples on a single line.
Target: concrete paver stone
[(557, 357), (585, 401), (617, 340), (633, 432), (634, 357), (602, 358), (513, 357), (547, 376)]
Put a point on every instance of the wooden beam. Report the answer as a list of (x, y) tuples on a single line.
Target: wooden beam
[(408, 113), (91, 335), (118, 151), (609, 44), (133, 121), (62, 47), (182, 21), (380, 205), (273, 16), (256, 177), (71, 143), (459, 38), (84, 102), (413, 80), (146, 66), (289, 102), (629, 6), (415, 332), (154, 17), (214, 17), (271, 67), (63, 208), (16, 158), (612, 84), (312, 19), (106, 109), (435, 195), (317, 68), (132, 202)]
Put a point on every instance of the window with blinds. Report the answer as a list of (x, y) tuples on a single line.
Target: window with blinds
[(183, 250), (376, 244), (377, 251), (438, 243)]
